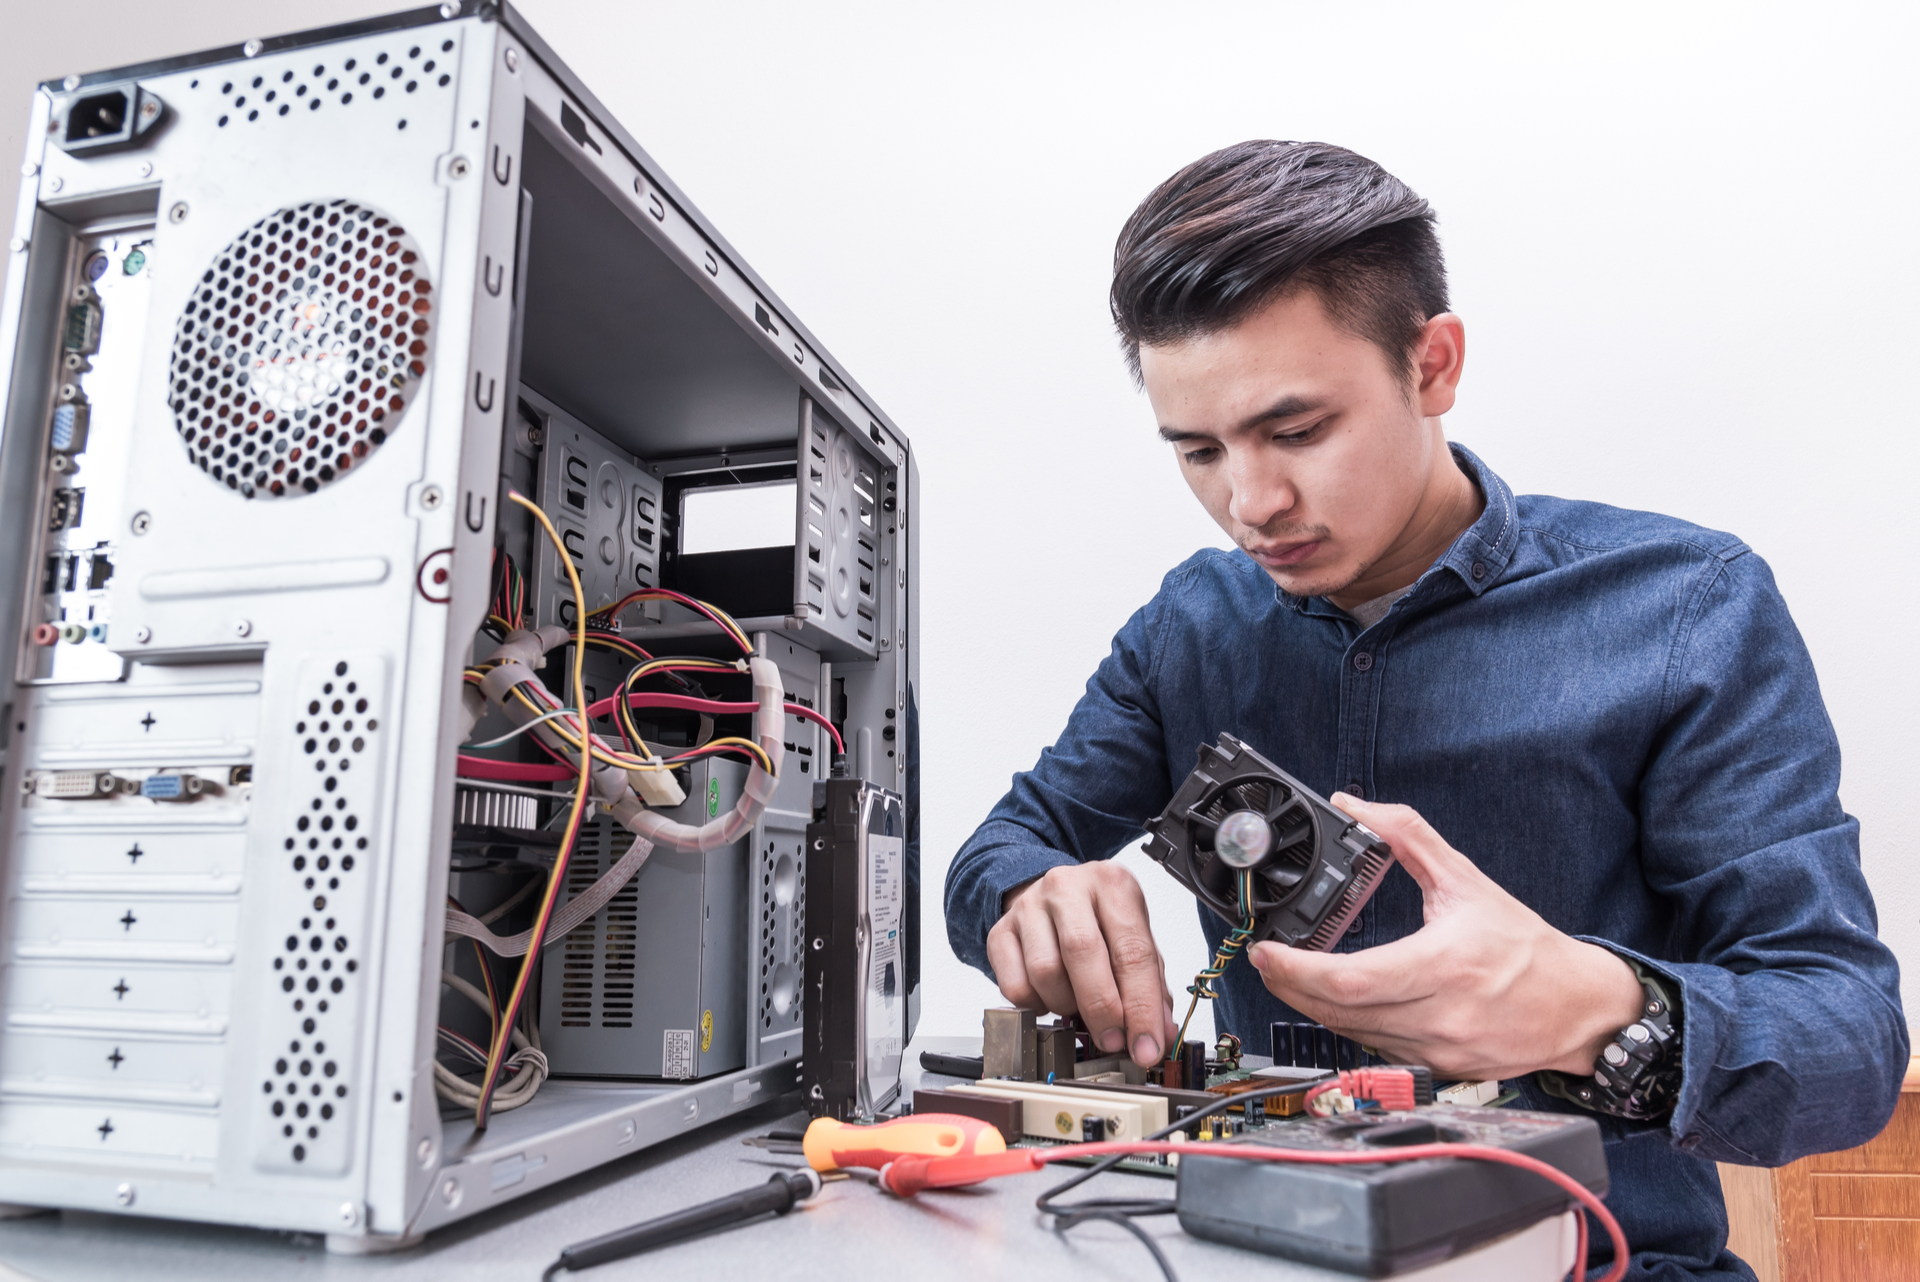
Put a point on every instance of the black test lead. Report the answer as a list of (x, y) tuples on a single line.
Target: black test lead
[(777, 1195)]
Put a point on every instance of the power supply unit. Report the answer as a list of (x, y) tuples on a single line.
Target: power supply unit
[(441, 572)]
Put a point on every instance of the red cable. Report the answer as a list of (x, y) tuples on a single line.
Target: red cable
[(687, 703), (905, 1176), (486, 768), (612, 612)]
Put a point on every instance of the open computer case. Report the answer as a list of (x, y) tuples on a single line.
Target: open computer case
[(286, 324)]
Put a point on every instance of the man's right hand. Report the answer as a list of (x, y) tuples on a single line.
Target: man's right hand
[(1077, 940)]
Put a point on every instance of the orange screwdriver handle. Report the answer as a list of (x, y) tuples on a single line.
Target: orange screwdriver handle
[(830, 1145)]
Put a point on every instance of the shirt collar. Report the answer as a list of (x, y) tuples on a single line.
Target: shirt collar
[(1477, 557)]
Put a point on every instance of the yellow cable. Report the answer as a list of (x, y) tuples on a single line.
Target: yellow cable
[(497, 1051)]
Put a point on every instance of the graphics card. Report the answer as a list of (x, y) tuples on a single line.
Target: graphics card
[(1312, 868)]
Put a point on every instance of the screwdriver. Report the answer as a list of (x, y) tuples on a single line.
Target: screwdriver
[(830, 1145), (777, 1195)]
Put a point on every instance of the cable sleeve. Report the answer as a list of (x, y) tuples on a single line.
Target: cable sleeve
[(497, 681), (567, 918), (771, 696)]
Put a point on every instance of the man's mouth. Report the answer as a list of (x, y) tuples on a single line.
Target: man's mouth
[(1283, 554)]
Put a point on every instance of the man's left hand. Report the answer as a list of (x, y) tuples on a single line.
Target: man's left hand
[(1486, 989)]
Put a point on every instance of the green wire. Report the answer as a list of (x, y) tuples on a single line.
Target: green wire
[(1230, 947)]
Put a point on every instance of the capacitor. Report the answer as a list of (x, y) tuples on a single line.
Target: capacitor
[(1193, 1059)]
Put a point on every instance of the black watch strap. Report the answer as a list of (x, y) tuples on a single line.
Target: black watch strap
[(1638, 1073)]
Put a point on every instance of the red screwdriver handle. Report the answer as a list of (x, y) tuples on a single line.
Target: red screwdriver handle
[(905, 1176)]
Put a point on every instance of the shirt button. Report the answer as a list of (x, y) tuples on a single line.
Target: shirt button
[(1479, 571), (1691, 1142), (1363, 662), (1355, 790)]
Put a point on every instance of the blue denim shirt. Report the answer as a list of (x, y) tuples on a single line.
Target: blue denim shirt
[(1612, 714)]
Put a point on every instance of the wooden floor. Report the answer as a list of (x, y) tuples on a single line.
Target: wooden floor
[(1852, 1216)]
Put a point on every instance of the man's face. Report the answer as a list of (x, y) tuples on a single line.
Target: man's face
[(1312, 451)]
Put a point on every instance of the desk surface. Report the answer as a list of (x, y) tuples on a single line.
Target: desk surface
[(849, 1231)]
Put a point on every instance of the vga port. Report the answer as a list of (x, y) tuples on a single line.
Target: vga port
[(172, 787), (80, 785)]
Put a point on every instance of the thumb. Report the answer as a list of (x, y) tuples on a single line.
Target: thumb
[(1436, 866)]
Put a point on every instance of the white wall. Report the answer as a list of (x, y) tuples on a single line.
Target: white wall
[(1682, 239)]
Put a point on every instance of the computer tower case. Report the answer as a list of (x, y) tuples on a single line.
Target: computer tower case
[(284, 323)]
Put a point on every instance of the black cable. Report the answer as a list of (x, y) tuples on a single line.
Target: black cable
[(1120, 1210), (1067, 1221)]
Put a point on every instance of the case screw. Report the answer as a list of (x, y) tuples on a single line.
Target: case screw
[(29, 169), (430, 498), (349, 1214), (146, 169), (252, 48), (513, 60), (449, 10), (178, 214), (18, 244), (142, 522), (125, 1194), (457, 167), (423, 1152), (56, 183), (143, 634), (450, 1192), (70, 84), (242, 628)]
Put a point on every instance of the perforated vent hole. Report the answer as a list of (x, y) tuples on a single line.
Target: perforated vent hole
[(314, 960), (783, 900), (300, 348)]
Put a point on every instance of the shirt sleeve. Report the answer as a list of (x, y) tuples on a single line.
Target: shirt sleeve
[(1089, 793), (1793, 1038)]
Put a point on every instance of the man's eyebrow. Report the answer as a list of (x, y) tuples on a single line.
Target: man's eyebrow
[(1285, 407)]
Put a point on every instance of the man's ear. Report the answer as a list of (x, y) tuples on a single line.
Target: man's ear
[(1438, 358)]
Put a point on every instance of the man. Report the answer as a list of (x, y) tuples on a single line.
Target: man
[(1593, 737)]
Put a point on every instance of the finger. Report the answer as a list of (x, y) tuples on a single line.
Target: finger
[(1424, 853), (1402, 971), (1085, 951), (1010, 966), (1137, 970), (1040, 953)]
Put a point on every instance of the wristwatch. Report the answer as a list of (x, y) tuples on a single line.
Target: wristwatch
[(1637, 1075)]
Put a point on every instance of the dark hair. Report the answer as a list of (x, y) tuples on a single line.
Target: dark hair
[(1237, 229)]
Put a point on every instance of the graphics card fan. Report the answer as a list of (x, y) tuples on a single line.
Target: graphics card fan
[(1313, 867)]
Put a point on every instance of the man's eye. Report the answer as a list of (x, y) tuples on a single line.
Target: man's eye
[(1300, 437), (1200, 456)]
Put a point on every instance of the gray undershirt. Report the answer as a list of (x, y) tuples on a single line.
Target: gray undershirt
[(1368, 613)]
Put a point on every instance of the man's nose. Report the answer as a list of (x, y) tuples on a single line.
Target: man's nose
[(1261, 490)]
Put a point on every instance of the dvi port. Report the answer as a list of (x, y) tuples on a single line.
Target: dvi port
[(81, 785)]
